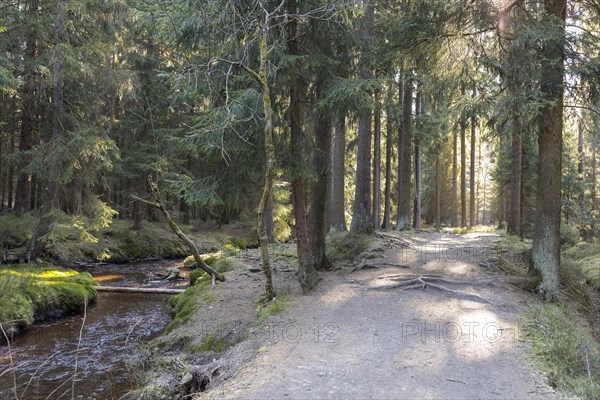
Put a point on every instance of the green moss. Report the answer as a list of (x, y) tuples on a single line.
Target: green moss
[(565, 351), (190, 301), (40, 291), (345, 246), (221, 265), (581, 264), (236, 243), (275, 306), (212, 343)]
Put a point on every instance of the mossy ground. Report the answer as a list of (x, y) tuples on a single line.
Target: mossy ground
[(565, 351), (39, 291), (345, 247)]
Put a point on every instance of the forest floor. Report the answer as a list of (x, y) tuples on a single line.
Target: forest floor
[(449, 329)]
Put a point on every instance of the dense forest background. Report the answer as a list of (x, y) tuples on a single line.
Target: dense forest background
[(329, 114)]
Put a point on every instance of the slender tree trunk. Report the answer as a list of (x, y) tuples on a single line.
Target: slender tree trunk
[(337, 215), (438, 188), (23, 190), (389, 139), (477, 219), (593, 195), (261, 78), (418, 173), (580, 173), (463, 173), (361, 217), (472, 209), (11, 176), (514, 212), (377, 166), (454, 209), (184, 209), (269, 223), (318, 206), (546, 235), (2, 181), (405, 164)]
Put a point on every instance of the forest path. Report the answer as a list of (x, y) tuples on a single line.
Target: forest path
[(349, 341)]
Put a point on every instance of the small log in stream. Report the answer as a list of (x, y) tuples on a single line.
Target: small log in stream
[(138, 290)]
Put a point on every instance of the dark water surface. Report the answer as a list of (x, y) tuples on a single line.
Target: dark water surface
[(44, 358)]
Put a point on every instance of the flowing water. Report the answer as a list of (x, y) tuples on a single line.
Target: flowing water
[(44, 357)]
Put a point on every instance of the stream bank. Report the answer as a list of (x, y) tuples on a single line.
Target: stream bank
[(91, 349)]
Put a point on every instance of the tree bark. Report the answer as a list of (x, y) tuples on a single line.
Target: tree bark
[(438, 188), (361, 216), (269, 222), (389, 145), (404, 162), (418, 173), (261, 78), (11, 176), (318, 206), (472, 208), (463, 171), (514, 212), (337, 215), (546, 235), (377, 166), (454, 209)]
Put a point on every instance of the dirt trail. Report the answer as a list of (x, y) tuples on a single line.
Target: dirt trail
[(350, 341)]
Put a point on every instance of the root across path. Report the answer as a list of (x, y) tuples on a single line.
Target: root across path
[(434, 328)]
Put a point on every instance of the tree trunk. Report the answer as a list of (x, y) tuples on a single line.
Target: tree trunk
[(318, 206), (514, 212), (269, 223), (477, 219), (546, 235), (389, 139), (463, 172), (23, 190), (377, 166), (417, 208), (262, 79), (361, 216), (184, 209), (472, 208), (454, 209), (438, 188), (11, 176), (404, 162), (337, 215)]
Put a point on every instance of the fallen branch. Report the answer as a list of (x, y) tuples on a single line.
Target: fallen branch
[(157, 203)]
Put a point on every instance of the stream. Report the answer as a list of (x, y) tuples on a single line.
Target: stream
[(44, 357)]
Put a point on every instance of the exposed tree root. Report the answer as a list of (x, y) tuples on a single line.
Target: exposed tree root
[(382, 265), (408, 282)]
